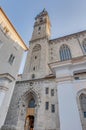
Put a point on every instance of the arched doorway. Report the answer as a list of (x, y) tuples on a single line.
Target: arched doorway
[(30, 114)]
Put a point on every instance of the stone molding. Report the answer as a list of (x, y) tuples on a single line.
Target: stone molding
[(7, 76), (40, 38), (73, 61), (68, 37), (66, 78)]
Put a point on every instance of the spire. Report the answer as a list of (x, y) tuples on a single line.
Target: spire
[(42, 26), (44, 12)]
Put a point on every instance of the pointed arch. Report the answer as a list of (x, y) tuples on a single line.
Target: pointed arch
[(65, 53), (32, 94)]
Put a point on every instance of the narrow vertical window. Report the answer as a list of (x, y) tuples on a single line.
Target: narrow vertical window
[(46, 90), (52, 92), (52, 108), (83, 104), (46, 105), (84, 45), (34, 68), (39, 28), (11, 59), (84, 114), (33, 76)]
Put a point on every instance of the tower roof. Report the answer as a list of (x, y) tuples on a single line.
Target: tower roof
[(44, 12)]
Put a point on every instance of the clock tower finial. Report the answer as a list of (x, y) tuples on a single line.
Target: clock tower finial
[(42, 26)]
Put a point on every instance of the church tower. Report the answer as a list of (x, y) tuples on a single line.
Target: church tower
[(37, 59), (41, 26)]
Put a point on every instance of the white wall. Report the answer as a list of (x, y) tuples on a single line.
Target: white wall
[(68, 110), (9, 47), (68, 107), (2, 94)]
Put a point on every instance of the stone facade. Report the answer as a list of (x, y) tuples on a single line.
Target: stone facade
[(55, 77), (19, 103)]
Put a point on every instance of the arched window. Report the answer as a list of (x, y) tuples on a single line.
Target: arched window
[(31, 103), (84, 45), (65, 53), (82, 99)]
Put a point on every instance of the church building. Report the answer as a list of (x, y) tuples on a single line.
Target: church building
[(51, 92)]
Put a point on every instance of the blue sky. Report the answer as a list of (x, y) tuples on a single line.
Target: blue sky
[(67, 16)]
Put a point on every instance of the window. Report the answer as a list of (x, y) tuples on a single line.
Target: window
[(84, 114), (39, 28), (76, 78), (33, 76), (65, 53), (11, 59), (31, 103), (46, 105), (52, 92), (52, 108), (83, 104), (84, 45), (34, 68), (47, 90), (41, 20), (35, 57)]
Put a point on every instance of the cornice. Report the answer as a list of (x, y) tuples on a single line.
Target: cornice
[(3, 88), (37, 39), (67, 37), (66, 78), (73, 61), (46, 79), (68, 63), (7, 76)]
